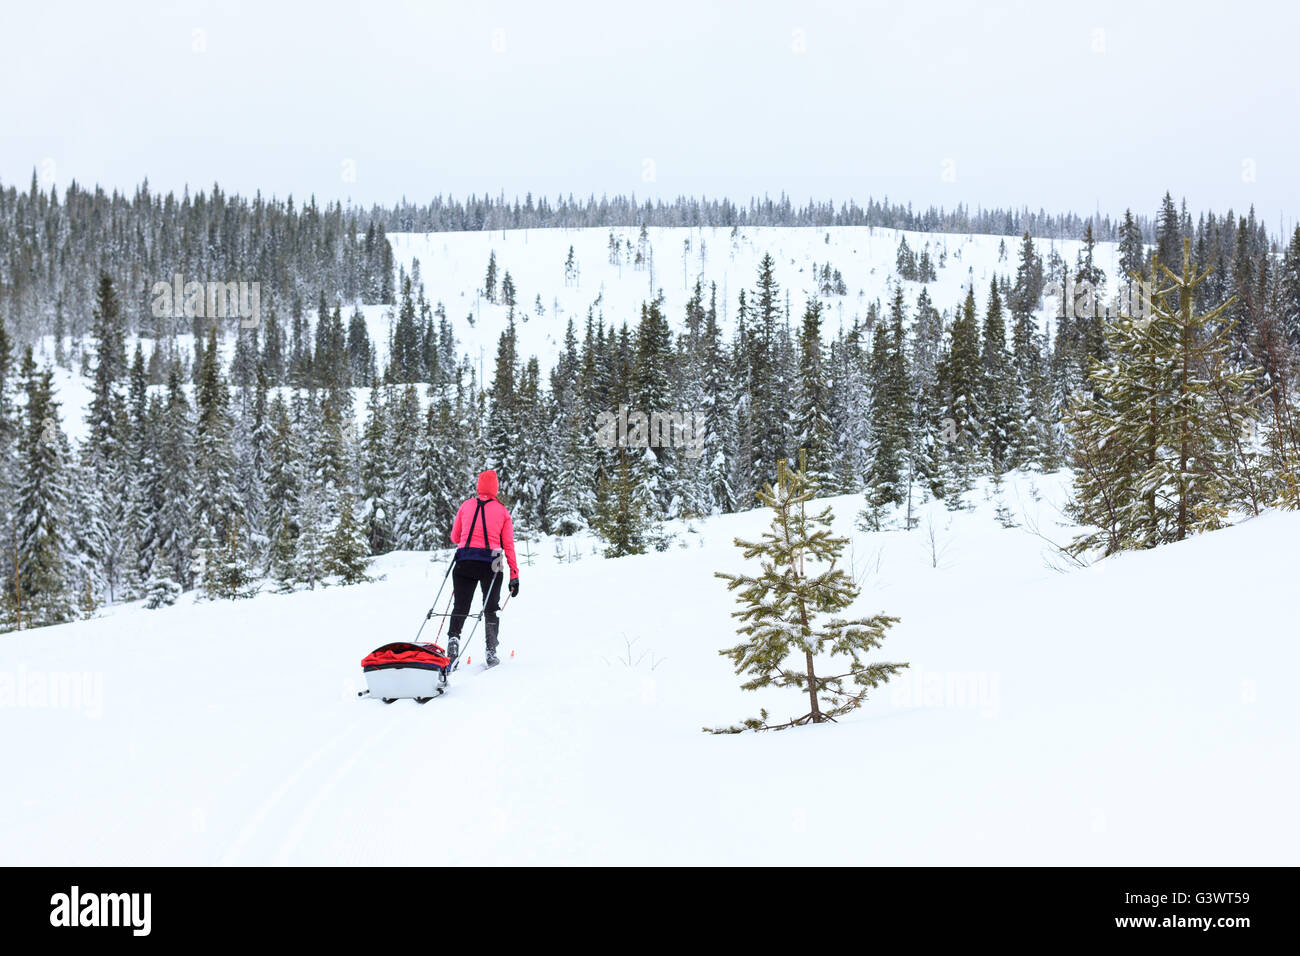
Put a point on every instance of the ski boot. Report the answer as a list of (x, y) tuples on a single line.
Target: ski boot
[(453, 647), (490, 631)]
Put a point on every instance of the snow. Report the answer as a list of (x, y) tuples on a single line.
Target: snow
[(1132, 712), (453, 266)]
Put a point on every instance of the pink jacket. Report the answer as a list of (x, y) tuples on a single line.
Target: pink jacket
[(500, 529)]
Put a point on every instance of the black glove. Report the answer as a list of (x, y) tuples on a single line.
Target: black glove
[(514, 587)]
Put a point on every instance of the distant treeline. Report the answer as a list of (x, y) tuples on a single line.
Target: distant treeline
[(54, 247), (446, 214)]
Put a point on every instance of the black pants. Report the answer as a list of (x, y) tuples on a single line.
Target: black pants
[(465, 579)]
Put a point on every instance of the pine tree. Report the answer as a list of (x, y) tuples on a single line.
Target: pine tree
[(1028, 288), (427, 494), (361, 351), (283, 567), (997, 398), (376, 479), (1033, 427), (406, 442), (622, 517), (1279, 465), (1169, 231), (172, 487), (160, 592), (1289, 292), (571, 417), (273, 348), (851, 407), (243, 367), (1247, 297), (100, 528), (508, 295), (228, 571), (42, 588), (504, 423), (927, 353), (1132, 250), (404, 350), (330, 460), (719, 415), (960, 381), (651, 395), (925, 271), (813, 429), (770, 419), (109, 334), (347, 551), (888, 474), (138, 455), (570, 271), (309, 547), (490, 279), (10, 427), (215, 501), (905, 262), (1157, 450), (283, 481), (792, 608), (331, 367), (300, 357)]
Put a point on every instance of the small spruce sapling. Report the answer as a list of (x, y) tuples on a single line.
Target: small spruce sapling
[(788, 610)]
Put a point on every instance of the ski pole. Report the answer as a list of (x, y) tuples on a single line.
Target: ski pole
[(442, 618), (501, 579), (438, 597), (450, 565)]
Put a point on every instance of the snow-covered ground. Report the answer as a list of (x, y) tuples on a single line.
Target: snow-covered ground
[(1135, 712), (453, 266)]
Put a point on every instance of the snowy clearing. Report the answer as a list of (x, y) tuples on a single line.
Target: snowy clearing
[(1127, 713)]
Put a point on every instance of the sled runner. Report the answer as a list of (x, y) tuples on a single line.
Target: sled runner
[(402, 669)]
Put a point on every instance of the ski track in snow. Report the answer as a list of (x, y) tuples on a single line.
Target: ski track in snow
[(232, 856)]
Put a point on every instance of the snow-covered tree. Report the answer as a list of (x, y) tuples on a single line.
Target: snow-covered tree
[(376, 479), (228, 570), (1158, 449), (623, 506), (347, 553), (813, 428), (889, 473), (43, 591)]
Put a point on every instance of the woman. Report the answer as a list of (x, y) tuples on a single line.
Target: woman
[(481, 532)]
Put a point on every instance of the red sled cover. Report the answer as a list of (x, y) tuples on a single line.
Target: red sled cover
[(403, 654)]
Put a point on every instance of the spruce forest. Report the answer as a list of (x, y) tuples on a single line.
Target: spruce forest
[(224, 458)]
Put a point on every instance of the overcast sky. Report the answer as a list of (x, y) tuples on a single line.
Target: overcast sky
[(1065, 106)]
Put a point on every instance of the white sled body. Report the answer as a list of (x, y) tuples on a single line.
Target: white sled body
[(396, 682)]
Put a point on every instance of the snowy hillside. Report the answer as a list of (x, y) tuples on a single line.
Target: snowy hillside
[(453, 265), (1115, 714)]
